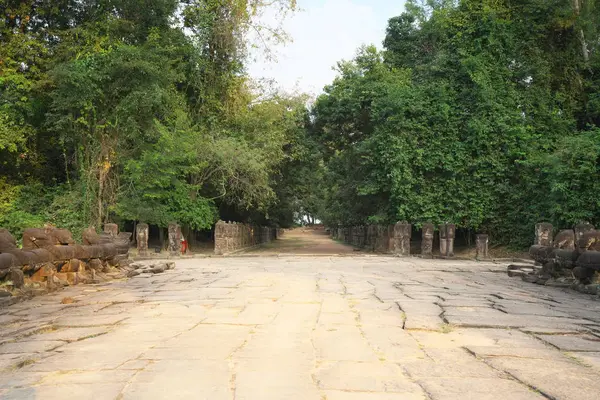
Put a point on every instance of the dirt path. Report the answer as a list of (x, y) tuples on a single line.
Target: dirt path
[(305, 241)]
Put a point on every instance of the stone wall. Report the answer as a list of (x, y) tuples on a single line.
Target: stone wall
[(234, 236)]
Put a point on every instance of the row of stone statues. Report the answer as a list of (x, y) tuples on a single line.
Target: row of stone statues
[(396, 239), (49, 254), (572, 252)]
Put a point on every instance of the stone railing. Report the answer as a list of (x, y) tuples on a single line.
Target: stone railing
[(50, 255), (395, 239), (232, 236), (571, 254)]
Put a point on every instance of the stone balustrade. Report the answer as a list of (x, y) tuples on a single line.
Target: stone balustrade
[(233, 236), (393, 239), (396, 239), (50, 255), (571, 254)]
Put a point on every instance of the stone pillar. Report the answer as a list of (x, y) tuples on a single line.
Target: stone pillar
[(443, 241), (447, 234), (450, 235), (581, 229), (402, 234), (174, 239), (543, 234), (112, 230), (427, 240), (141, 235), (482, 243)]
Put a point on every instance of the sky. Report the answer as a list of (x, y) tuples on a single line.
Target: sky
[(323, 33)]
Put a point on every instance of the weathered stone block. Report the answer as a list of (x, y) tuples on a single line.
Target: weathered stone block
[(589, 241), (174, 239), (402, 235), (543, 234), (565, 239), (581, 229), (428, 232), (112, 230), (42, 274), (447, 234), (73, 265)]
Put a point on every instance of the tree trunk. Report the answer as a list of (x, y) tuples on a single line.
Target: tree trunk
[(584, 47), (100, 193)]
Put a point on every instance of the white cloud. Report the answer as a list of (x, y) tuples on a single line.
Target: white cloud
[(326, 32)]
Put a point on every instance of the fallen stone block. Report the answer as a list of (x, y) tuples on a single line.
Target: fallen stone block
[(137, 265), (155, 269), (62, 277), (516, 272), (133, 273), (159, 268)]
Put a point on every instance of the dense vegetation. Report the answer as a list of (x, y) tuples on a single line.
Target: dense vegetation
[(140, 110), (483, 113)]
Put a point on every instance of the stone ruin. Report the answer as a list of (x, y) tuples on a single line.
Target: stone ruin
[(233, 236), (50, 257), (395, 239), (142, 235), (569, 259)]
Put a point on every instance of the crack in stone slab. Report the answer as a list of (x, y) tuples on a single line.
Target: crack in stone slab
[(510, 375)]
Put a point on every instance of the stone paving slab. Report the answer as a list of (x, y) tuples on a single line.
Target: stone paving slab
[(295, 327), (573, 342)]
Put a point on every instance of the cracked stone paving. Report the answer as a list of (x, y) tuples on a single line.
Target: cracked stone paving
[(305, 327)]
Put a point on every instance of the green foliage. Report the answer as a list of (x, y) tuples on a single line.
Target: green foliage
[(14, 215), (137, 110), (33, 206), (476, 113)]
